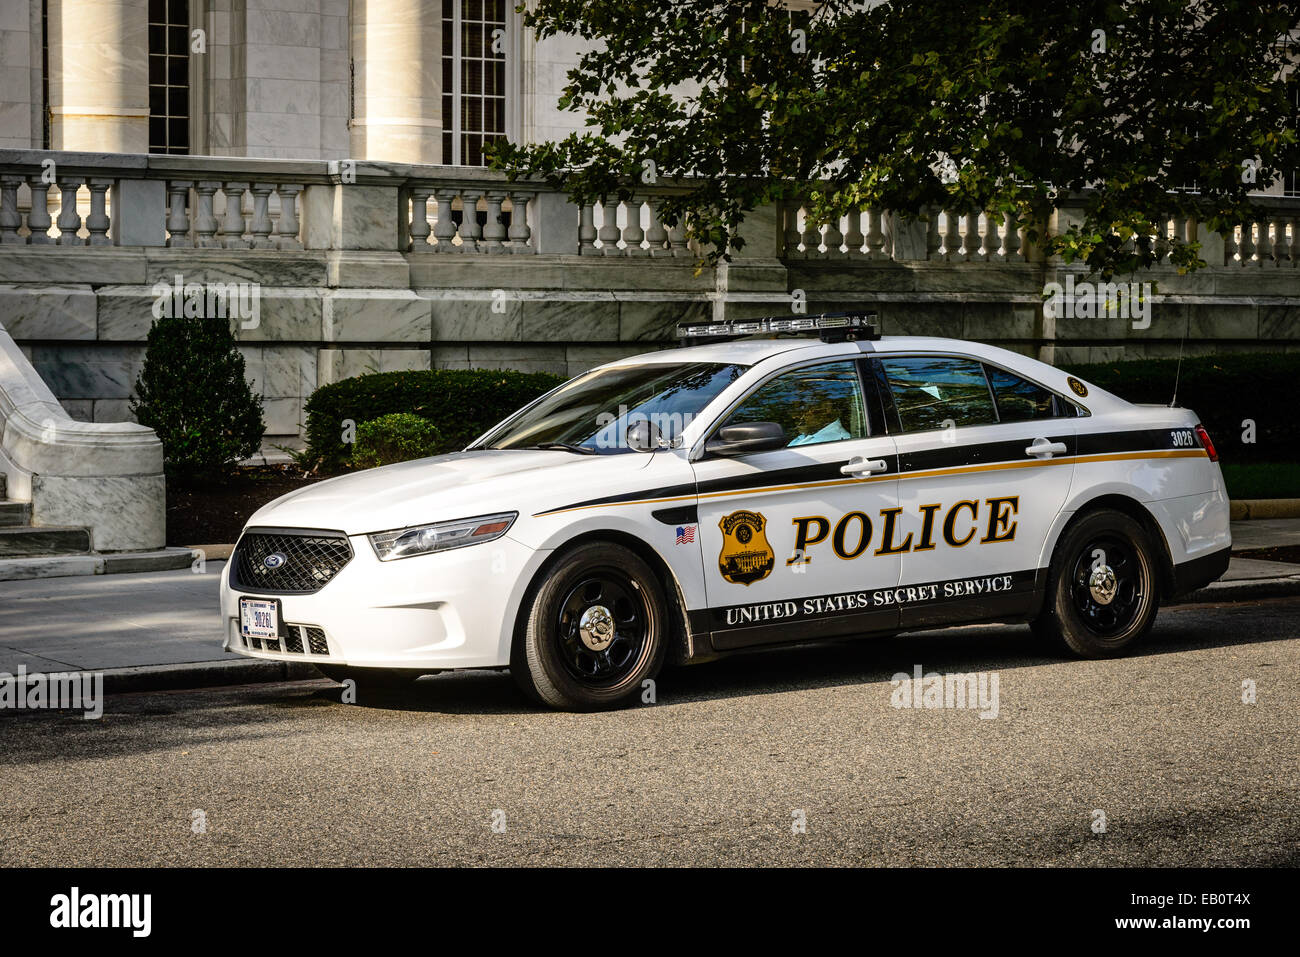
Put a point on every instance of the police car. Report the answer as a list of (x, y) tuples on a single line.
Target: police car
[(778, 481)]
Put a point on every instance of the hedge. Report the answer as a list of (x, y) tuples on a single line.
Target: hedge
[(1224, 391), (392, 438), (462, 403)]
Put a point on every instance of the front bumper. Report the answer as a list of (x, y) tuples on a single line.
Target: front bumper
[(448, 610)]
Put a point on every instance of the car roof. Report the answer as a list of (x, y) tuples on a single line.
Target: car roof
[(752, 351)]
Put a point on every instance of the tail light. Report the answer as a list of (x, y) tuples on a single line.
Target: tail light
[(1206, 442)]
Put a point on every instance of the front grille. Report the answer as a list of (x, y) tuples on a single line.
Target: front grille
[(316, 641), (310, 560), (297, 640)]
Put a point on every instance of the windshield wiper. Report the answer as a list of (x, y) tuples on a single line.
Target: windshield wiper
[(565, 446)]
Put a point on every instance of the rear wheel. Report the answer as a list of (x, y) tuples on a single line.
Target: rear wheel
[(1102, 586), (593, 631)]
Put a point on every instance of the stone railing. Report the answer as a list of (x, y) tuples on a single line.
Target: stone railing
[(85, 199)]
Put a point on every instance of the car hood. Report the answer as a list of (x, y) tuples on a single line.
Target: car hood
[(445, 487)]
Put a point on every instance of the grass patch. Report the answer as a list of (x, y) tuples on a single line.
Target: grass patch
[(1262, 479)]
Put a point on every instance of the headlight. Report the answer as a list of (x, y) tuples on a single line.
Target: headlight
[(409, 542)]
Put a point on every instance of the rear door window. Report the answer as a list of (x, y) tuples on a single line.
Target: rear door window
[(935, 392)]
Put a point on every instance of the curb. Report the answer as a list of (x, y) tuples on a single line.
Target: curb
[(108, 563), (1246, 509), (1247, 589), (203, 674)]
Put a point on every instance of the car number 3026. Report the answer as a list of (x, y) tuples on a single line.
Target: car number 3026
[(1183, 438)]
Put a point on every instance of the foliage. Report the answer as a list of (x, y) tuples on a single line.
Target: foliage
[(1226, 392), (192, 392), (462, 403), (397, 437), (913, 105)]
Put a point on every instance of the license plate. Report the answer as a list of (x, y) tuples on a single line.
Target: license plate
[(258, 618)]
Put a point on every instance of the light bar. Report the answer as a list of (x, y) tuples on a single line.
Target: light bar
[(833, 327)]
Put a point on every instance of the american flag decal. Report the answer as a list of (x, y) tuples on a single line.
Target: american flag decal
[(685, 534)]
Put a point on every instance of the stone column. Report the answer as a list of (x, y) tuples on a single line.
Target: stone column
[(99, 75), (397, 64)]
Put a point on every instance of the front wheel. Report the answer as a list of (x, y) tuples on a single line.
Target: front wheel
[(1102, 586), (593, 631)]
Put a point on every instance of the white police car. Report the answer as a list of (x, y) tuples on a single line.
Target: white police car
[(771, 489)]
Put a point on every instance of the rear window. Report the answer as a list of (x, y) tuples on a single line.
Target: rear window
[(931, 392), (1020, 400)]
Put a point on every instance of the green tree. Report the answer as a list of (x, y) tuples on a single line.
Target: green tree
[(193, 393), (914, 105)]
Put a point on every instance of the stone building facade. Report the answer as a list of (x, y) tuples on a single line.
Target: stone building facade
[(329, 151)]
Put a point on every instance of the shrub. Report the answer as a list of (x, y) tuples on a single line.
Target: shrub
[(397, 437), (193, 393), (1224, 391), (462, 403)]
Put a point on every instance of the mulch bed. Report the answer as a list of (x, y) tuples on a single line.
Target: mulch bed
[(1274, 553), (214, 512)]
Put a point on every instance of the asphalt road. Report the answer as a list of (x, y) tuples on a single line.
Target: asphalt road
[(1161, 743)]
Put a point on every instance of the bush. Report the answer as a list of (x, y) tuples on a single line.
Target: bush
[(398, 437), (1224, 391), (462, 403), (193, 393)]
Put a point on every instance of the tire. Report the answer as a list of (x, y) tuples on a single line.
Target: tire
[(1102, 588), (608, 589)]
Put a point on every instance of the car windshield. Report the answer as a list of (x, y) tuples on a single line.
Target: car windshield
[(592, 413)]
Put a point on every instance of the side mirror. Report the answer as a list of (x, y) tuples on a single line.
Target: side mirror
[(747, 438), (643, 436)]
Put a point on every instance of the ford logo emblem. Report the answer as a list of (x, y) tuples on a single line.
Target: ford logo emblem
[(274, 561)]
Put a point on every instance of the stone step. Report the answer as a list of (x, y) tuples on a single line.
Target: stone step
[(62, 566), (14, 513), (26, 541)]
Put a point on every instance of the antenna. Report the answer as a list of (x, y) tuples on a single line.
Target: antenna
[(1178, 369)]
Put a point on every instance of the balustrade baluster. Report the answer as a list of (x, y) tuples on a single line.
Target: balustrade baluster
[(633, 233), (471, 233), (656, 236), (69, 221), (952, 236), (1011, 248), (444, 227), (419, 228), (609, 232), (205, 222), (494, 231), (178, 219), (261, 226), (232, 227), (286, 227), (520, 232), (971, 239)]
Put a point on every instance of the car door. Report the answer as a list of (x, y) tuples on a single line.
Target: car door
[(788, 534), (985, 465)]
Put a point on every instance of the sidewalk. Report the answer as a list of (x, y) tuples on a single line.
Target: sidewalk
[(162, 629)]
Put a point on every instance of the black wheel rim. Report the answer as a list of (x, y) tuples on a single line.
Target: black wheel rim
[(603, 626), (1109, 586)]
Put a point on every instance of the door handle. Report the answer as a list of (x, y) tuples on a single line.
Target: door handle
[(1043, 449), (861, 466)]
